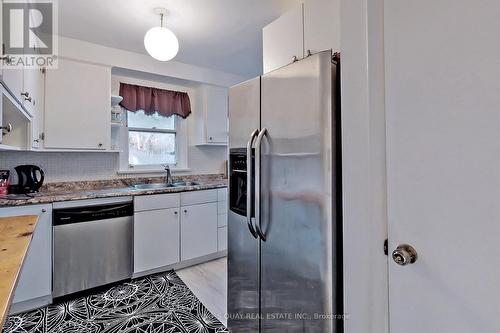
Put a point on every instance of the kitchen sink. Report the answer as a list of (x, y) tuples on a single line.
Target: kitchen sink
[(155, 186), (159, 186), (182, 184)]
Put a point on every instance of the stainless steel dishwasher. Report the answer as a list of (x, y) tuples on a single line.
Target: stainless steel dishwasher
[(93, 245)]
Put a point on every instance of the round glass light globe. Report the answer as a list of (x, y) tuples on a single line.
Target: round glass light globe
[(161, 43)]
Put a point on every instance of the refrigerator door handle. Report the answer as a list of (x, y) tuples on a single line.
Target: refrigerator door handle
[(258, 144), (249, 183)]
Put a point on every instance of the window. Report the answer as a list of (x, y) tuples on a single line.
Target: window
[(152, 139)]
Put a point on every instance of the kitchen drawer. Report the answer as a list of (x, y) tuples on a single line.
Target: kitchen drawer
[(156, 201), (198, 197), (222, 239), (222, 194), (222, 220), (222, 207)]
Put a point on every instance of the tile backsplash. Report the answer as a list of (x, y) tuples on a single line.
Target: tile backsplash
[(60, 167)]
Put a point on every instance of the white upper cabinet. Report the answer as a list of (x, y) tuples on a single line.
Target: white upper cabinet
[(34, 85), (313, 26), (321, 25), (212, 116), (13, 79), (216, 113), (77, 106), (283, 39)]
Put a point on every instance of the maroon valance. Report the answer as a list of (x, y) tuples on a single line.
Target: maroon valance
[(151, 100)]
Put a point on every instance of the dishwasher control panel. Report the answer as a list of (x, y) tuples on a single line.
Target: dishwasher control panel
[(92, 213)]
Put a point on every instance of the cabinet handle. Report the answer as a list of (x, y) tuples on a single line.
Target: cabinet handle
[(175, 213), (185, 211), (27, 99), (6, 129), (6, 59), (44, 210), (99, 145), (295, 59), (210, 138), (25, 94)]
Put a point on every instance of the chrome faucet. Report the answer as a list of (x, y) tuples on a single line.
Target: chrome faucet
[(168, 178)]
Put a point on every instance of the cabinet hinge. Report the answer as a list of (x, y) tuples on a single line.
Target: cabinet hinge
[(386, 247)]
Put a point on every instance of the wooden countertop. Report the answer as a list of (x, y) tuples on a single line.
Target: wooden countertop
[(15, 238)]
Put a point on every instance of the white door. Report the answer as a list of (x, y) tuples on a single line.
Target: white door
[(216, 115), (156, 239), (77, 106), (198, 230), (443, 163)]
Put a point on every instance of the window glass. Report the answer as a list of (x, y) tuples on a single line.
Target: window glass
[(149, 148), (139, 119)]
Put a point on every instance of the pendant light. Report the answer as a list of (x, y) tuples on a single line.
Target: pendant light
[(160, 42)]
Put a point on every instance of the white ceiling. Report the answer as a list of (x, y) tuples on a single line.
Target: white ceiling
[(218, 34)]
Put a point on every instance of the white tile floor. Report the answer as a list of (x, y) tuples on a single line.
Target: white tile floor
[(208, 281)]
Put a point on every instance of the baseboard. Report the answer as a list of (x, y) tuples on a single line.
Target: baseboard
[(183, 264), (30, 304)]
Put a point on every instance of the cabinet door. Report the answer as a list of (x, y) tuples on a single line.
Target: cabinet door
[(198, 230), (34, 84), (321, 25), (77, 105), (35, 280), (156, 239), (283, 39), (13, 79), (216, 114)]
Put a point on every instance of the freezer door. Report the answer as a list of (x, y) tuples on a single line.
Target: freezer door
[(297, 198), (244, 112), (243, 247)]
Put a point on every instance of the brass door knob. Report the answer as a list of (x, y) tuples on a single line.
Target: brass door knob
[(404, 255)]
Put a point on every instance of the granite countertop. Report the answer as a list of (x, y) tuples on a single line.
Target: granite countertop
[(15, 238), (69, 191)]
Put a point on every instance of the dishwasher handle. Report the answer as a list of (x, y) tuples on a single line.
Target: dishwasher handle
[(91, 213)]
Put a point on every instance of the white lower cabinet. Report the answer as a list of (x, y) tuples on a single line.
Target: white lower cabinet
[(222, 219), (175, 227), (222, 238), (34, 288), (156, 239), (198, 230)]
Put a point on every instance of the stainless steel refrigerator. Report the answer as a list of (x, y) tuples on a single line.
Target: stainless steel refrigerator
[(284, 218)]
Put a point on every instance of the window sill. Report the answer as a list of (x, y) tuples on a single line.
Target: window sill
[(149, 171)]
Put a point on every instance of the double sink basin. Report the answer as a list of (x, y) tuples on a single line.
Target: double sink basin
[(159, 186)]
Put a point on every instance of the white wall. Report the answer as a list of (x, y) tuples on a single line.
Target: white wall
[(364, 178), (85, 51)]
